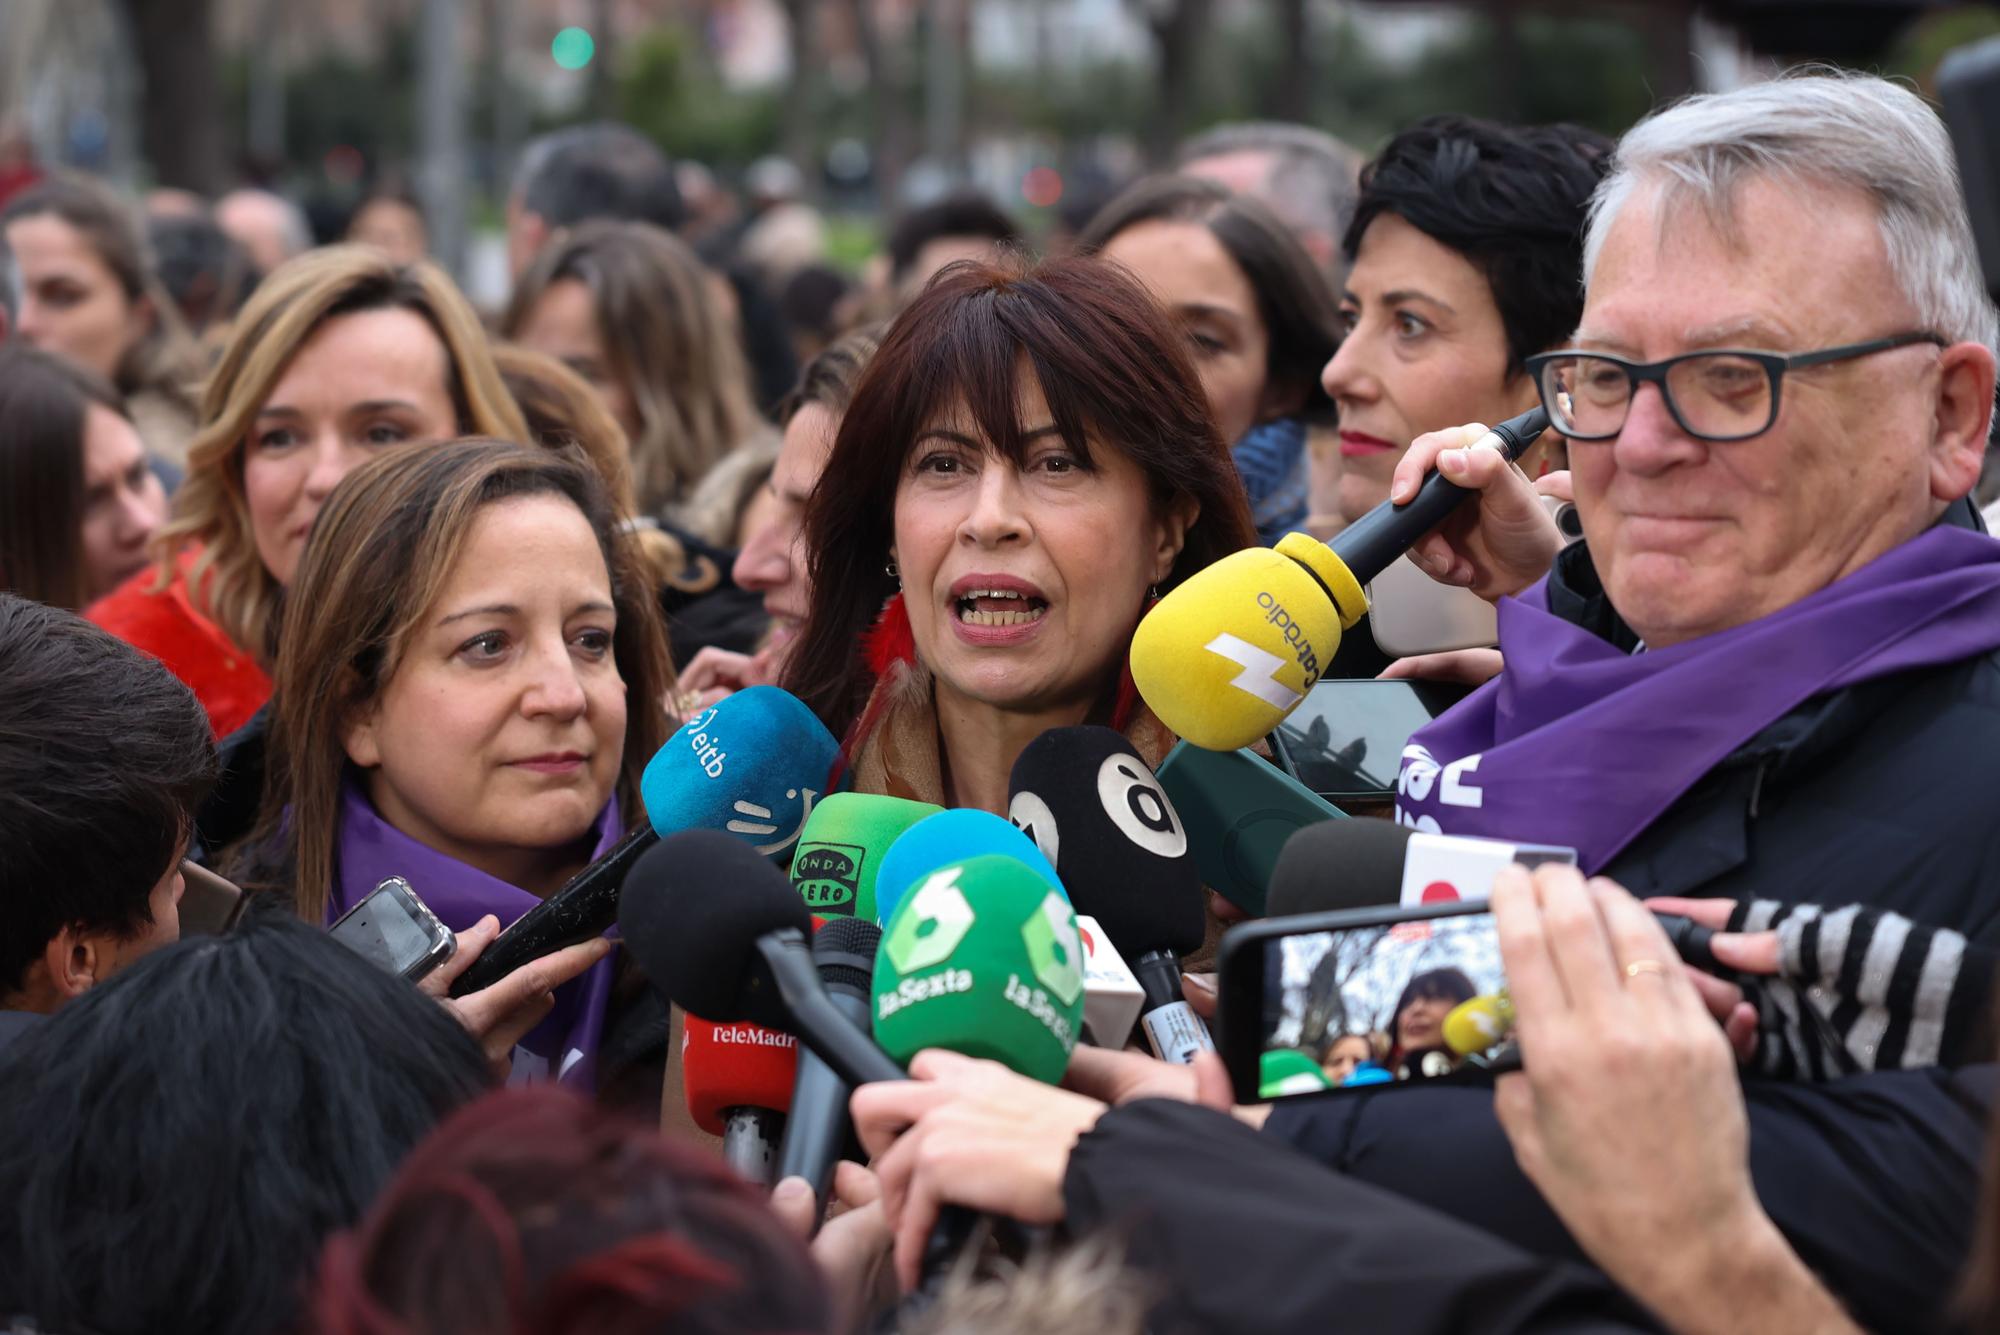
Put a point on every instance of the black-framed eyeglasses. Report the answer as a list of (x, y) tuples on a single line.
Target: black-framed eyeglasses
[(1722, 394)]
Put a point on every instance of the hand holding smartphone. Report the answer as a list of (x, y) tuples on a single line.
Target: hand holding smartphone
[(396, 930), (1361, 998)]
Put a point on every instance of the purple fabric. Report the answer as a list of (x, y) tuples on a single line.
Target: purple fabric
[(1578, 743), (565, 1043)]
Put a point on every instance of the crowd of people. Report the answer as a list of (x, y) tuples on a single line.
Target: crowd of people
[(313, 575)]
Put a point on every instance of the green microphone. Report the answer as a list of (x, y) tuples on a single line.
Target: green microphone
[(840, 850), (982, 957)]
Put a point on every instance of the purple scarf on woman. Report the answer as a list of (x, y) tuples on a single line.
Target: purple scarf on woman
[(1580, 744), (564, 1045)]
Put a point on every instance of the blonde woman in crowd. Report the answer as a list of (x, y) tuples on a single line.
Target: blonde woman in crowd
[(339, 356)]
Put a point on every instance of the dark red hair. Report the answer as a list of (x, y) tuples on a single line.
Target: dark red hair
[(1113, 369), (530, 1212)]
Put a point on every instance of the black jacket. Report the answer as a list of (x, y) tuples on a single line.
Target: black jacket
[(1238, 1233), (1881, 794)]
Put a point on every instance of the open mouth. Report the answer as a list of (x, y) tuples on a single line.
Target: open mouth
[(999, 607)]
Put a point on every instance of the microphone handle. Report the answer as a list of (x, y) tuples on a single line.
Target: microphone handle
[(1374, 542), (750, 1142), (850, 1049), (1173, 1031), (817, 1130), (586, 907)]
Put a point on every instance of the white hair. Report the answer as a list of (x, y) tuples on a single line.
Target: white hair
[(1829, 127)]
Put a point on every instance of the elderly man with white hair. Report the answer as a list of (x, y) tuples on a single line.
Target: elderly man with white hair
[(1769, 671)]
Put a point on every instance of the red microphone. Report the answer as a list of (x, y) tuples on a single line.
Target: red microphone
[(739, 1081)]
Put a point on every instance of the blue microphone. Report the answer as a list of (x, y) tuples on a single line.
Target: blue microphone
[(952, 836)]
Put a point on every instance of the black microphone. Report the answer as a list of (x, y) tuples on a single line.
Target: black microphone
[(1374, 542), (1099, 815), (1358, 864), (844, 951), (722, 934)]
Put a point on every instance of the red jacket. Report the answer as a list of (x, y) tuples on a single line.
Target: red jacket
[(165, 624)]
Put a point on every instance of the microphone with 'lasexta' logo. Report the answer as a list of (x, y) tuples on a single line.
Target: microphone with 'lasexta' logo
[(982, 957)]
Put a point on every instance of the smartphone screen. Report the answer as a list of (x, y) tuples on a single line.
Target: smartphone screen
[(393, 928), (1345, 740), (1389, 1003)]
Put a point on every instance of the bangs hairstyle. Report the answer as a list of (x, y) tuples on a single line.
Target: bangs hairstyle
[(229, 582), (1113, 370), (666, 339), (1512, 200), (381, 552), (1295, 301)]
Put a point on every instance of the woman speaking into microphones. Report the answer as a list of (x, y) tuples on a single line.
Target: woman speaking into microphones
[(1026, 465)]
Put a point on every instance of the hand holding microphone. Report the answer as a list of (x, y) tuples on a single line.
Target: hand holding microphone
[(1228, 654), (1496, 547)]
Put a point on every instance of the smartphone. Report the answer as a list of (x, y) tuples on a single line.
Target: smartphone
[(1238, 809), (210, 905), (1345, 740), (1361, 998), (392, 927), (1327, 1003)]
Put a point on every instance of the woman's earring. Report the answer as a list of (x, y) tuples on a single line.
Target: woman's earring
[(1153, 594), (893, 573)]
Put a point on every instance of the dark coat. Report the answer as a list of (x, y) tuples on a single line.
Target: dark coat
[(1881, 794), (1236, 1233)]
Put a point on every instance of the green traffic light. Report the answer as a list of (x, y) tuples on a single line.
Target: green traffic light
[(573, 48)]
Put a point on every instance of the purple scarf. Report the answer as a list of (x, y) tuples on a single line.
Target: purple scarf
[(564, 1045), (1578, 743)]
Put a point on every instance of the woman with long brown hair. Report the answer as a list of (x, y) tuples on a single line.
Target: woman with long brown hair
[(469, 686), (631, 309), (90, 295), (339, 355), (78, 503), (1026, 463)]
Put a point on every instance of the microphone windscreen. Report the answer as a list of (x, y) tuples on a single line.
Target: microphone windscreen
[(753, 763), (1225, 656), (845, 950), (842, 847), (1476, 1025), (1339, 864), (1283, 1072), (691, 914), (1092, 805), (952, 836), (982, 957), (736, 1065)]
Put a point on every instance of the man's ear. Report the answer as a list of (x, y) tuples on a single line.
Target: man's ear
[(1964, 407), (76, 961), (1171, 532)]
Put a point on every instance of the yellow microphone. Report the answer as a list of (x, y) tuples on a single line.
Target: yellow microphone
[(1476, 1025), (1223, 658)]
